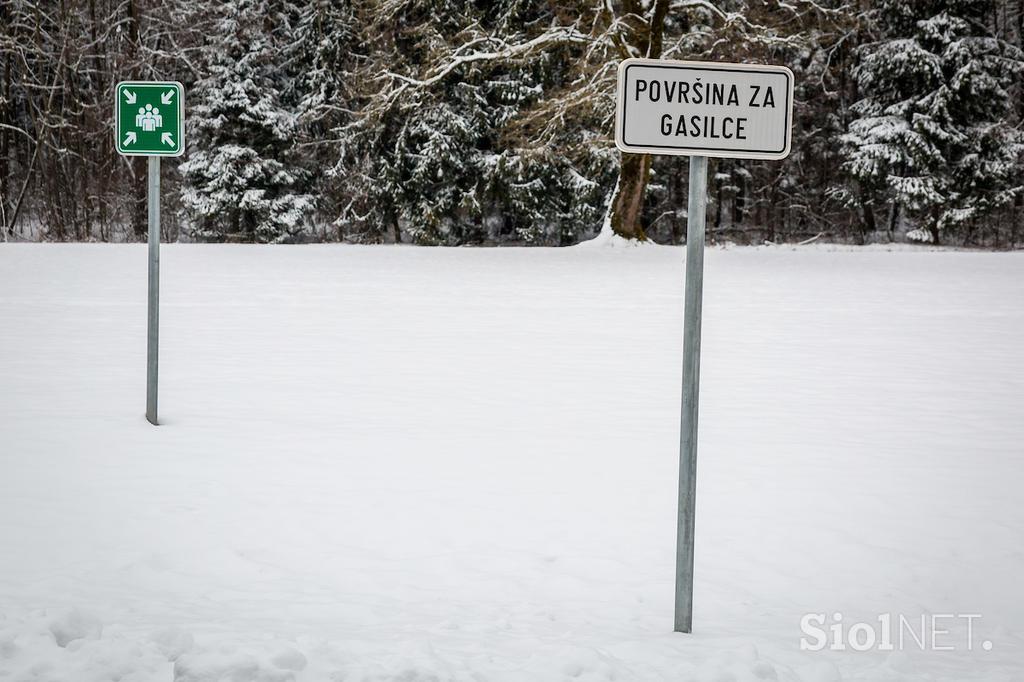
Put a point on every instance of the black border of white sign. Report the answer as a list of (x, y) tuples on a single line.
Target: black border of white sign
[(707, 69)]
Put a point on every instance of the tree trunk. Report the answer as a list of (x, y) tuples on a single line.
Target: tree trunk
[(139, 203), (894, 215), (6, 114), (739, 201), (1018, 203), (628, 200), (627, 204), (718, 203), (868, 223)]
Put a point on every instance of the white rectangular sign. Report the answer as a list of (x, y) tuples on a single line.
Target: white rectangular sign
[(742, 111)]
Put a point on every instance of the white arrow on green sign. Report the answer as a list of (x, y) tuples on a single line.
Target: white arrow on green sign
[(150, 118)]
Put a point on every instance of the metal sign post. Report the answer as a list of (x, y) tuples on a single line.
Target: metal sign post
[(693, 301), (149, 120), (153, 309), (699, 109)]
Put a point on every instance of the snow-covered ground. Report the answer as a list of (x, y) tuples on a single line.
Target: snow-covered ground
[(416, 465)]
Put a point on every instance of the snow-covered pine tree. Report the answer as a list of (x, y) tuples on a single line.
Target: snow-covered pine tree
[(442, 152), (931, 132), (326, 50), (242, 179)]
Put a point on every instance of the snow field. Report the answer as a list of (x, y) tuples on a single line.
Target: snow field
[(460, 464)]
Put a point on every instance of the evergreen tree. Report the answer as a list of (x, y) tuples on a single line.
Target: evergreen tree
[(444, 153), (326, 51), (932, 129), (242, 181)]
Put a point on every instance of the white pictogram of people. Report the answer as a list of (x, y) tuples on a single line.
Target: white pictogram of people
[(149, 118)]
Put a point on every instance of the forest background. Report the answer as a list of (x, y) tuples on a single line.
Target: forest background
[(488, 123)]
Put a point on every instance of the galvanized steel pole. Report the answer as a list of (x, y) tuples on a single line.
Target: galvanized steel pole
[(153, 334), (691, 387)]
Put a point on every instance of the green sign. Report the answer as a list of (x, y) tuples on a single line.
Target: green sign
[(150, 118)]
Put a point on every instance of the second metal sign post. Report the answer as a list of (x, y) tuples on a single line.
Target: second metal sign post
[(699, 109)]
